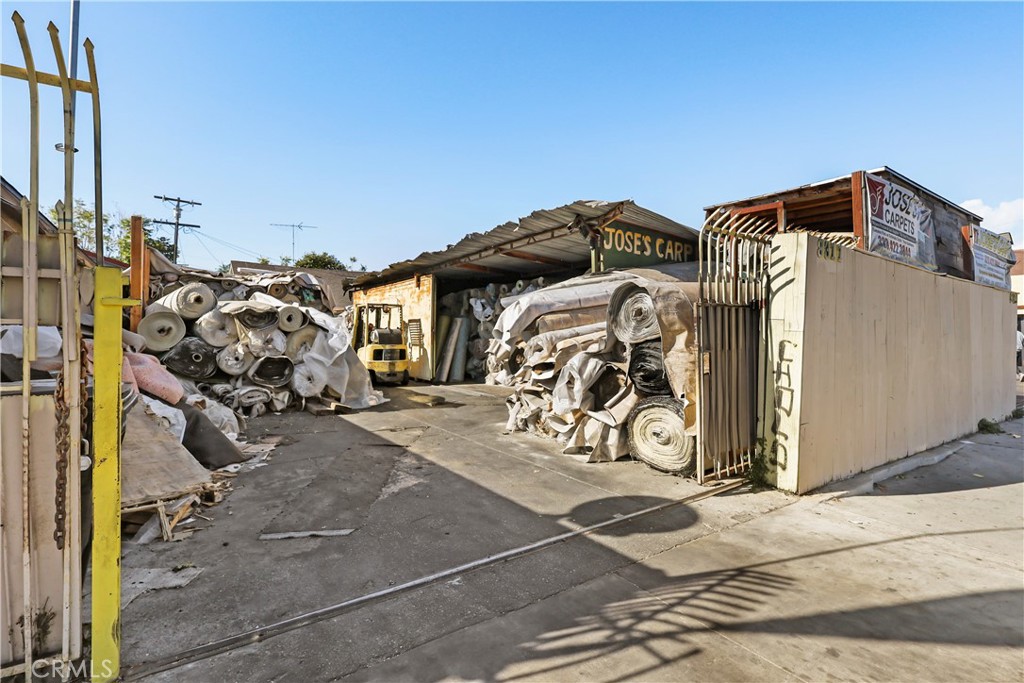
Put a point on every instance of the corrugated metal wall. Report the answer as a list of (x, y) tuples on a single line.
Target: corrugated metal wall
[(416, 295), (871, 360)]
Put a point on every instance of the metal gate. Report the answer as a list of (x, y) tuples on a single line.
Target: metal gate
[(734, 252)]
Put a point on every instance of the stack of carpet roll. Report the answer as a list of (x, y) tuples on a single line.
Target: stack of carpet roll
[(258, 354), (297, 288), (655, 320), (465, 327), (604, 363)]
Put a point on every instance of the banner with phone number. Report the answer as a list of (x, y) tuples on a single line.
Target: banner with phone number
[(900, 225), (993, 257)]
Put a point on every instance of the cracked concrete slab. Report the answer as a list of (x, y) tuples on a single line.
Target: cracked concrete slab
[(744, 586)]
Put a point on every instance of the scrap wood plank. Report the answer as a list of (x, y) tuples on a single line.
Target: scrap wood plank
[(325, 406), (154, 465)]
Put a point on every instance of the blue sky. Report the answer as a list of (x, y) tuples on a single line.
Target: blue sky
[(398, 128)]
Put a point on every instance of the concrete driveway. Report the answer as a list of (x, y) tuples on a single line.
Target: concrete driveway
[(921, 580)]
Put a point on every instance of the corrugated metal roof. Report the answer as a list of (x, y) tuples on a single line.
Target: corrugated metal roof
[(545, 241)]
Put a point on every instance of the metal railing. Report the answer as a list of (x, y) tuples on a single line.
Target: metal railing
[(734, 254)]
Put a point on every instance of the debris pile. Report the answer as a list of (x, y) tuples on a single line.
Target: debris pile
[(604, 363)]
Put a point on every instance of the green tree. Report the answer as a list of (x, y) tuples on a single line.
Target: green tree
[(124, 240), (325, 261), (84, 223), (264, 260), (117, 236)]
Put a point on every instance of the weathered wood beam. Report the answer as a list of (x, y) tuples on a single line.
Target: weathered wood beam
[(536, 258)]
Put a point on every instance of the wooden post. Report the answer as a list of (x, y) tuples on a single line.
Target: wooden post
[(138, 274), (859, 215)]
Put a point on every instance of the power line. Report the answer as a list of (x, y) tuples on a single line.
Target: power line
[(232, 246), (178, 201), (202, 242)]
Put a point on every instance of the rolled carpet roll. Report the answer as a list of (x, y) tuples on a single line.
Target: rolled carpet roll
[(162, 330), (306, 382), (248, 396), (657, 435), (219, 391), (290, 318), (458, 369), (234, 359), (192, 358), (216, 329), (277, 290), (300, 341), (269, 341), (190, 301), (632, 316), (252, 314), (647, 368), (271, 371)]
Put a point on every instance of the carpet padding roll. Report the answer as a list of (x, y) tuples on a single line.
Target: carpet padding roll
[(216, 329), (632, 316), (657, 435), (192, 358), (234, 359), (271, 371), (647, 368), (162, 330), (190, 301)]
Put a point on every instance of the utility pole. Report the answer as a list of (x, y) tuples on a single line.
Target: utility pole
[(178, 201), (294, 227)]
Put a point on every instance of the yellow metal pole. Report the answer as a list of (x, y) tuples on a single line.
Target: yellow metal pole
[(106, 477)]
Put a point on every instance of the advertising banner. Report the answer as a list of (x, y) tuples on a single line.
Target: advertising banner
[(993, 257), (900, 224)]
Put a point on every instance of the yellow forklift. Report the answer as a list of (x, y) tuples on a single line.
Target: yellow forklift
[(378, 336)]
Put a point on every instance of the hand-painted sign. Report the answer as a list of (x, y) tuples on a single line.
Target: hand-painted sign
[(993, 256), (630, 246), (899, 225)]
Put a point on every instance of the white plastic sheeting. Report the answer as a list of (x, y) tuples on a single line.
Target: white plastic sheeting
[(48, 341)]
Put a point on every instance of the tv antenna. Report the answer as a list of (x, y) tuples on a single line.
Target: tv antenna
[(294, 227)]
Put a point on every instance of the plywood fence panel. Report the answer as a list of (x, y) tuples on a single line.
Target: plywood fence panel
[(874, 360), (818, 304), (786, 307)]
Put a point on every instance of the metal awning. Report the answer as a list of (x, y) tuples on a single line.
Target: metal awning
[(546, 241)]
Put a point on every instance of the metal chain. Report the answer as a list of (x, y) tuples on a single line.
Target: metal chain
[(63, 411), (83, 394)]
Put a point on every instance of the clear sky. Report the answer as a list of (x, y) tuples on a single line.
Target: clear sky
[(398, 128)]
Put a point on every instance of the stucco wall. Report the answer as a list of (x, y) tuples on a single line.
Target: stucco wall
[(416, 295), (871, 360)]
